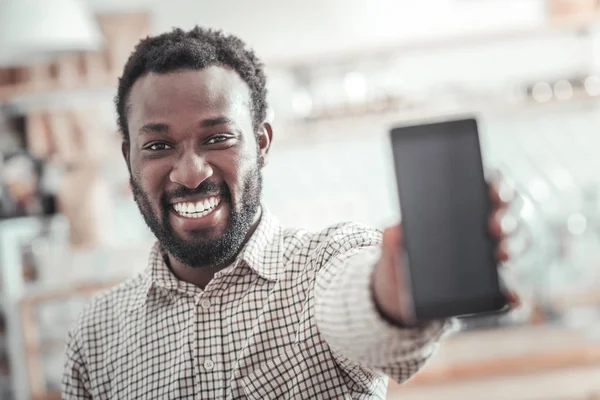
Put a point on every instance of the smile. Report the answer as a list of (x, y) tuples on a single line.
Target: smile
[(198, 209)]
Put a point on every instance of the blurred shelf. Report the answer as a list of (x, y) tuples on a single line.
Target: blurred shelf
[(26, 99), (518, 351), (306, 133), (47, 396), (572, 25), (564, 384), (576, 300), (34, 296), (533, 363), (48, 346), (75, 80)]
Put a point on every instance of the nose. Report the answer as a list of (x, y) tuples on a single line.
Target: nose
[(191, 170)]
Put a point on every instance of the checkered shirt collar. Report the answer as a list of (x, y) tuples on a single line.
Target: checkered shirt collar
[(263, 253)]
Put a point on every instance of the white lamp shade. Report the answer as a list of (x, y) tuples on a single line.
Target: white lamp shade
[(31, 30)]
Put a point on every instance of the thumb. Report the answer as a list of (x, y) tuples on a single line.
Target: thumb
[(392, 240)]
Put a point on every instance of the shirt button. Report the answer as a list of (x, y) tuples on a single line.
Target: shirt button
[(205, 304), (209, 365)]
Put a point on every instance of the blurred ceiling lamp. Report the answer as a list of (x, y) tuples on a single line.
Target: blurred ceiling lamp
[(355, 85), (33, 30), (542, 92), (592, 85), (563, 90)]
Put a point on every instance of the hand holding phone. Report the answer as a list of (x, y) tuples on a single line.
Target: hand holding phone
[(448, 252)]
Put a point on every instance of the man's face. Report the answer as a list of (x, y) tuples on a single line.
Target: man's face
[(195, 162)]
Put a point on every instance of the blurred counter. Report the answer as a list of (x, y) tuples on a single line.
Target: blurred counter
[(525, 363)]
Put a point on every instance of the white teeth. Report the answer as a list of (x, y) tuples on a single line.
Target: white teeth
[(196, 210)]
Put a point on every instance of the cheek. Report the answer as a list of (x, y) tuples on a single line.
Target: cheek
[(236, 169), (149, 177)]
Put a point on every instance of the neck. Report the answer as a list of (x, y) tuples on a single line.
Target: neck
[(201, 276)]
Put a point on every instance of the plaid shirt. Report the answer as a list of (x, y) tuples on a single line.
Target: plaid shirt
[(292, 318)]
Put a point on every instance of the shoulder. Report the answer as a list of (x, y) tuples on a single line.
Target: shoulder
[(350, 235), (343, 234), (101, 318), (333, 240)]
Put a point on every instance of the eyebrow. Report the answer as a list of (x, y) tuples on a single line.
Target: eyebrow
[(207, 123), (154, 127), (158, 127)]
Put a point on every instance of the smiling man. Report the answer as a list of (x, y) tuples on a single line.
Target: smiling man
[(233, 305)]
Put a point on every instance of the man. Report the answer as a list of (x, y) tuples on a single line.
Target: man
[(233, 305)]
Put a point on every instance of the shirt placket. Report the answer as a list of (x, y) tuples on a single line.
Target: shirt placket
[(209, 345)]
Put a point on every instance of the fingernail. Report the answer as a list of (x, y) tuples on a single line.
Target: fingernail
[(506, 193), (509, 224)]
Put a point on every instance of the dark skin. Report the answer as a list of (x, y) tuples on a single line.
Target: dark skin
[(188, 127)]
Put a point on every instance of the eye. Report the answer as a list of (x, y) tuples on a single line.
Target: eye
[(217, 139), (158, 146)]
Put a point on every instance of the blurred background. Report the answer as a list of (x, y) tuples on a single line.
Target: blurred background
[(342, 73)]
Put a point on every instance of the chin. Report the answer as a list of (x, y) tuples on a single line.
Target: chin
[(201, 235)]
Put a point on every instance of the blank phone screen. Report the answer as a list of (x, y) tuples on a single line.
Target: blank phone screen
[(445, 210)]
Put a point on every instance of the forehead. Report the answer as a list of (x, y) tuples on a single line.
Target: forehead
[(213, 91)]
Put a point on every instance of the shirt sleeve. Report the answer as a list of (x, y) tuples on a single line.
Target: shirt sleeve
[(349, 321), (75, 382)]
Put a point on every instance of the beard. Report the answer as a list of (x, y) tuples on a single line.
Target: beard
[(203, 252)]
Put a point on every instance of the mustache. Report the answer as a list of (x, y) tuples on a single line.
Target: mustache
[(205, 188)]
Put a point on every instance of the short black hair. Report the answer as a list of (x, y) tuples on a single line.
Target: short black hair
[(194, 49)]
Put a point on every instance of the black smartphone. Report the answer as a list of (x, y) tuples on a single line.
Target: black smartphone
[(445, 207)]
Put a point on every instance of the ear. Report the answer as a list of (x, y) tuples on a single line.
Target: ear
[(125, 150), (264, 139)]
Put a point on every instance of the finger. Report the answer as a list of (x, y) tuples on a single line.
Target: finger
[(501, 194), (501, 254), (494, 195), (509, 225), (493, 174), (392, 239), (513, 299), (495, 226)]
